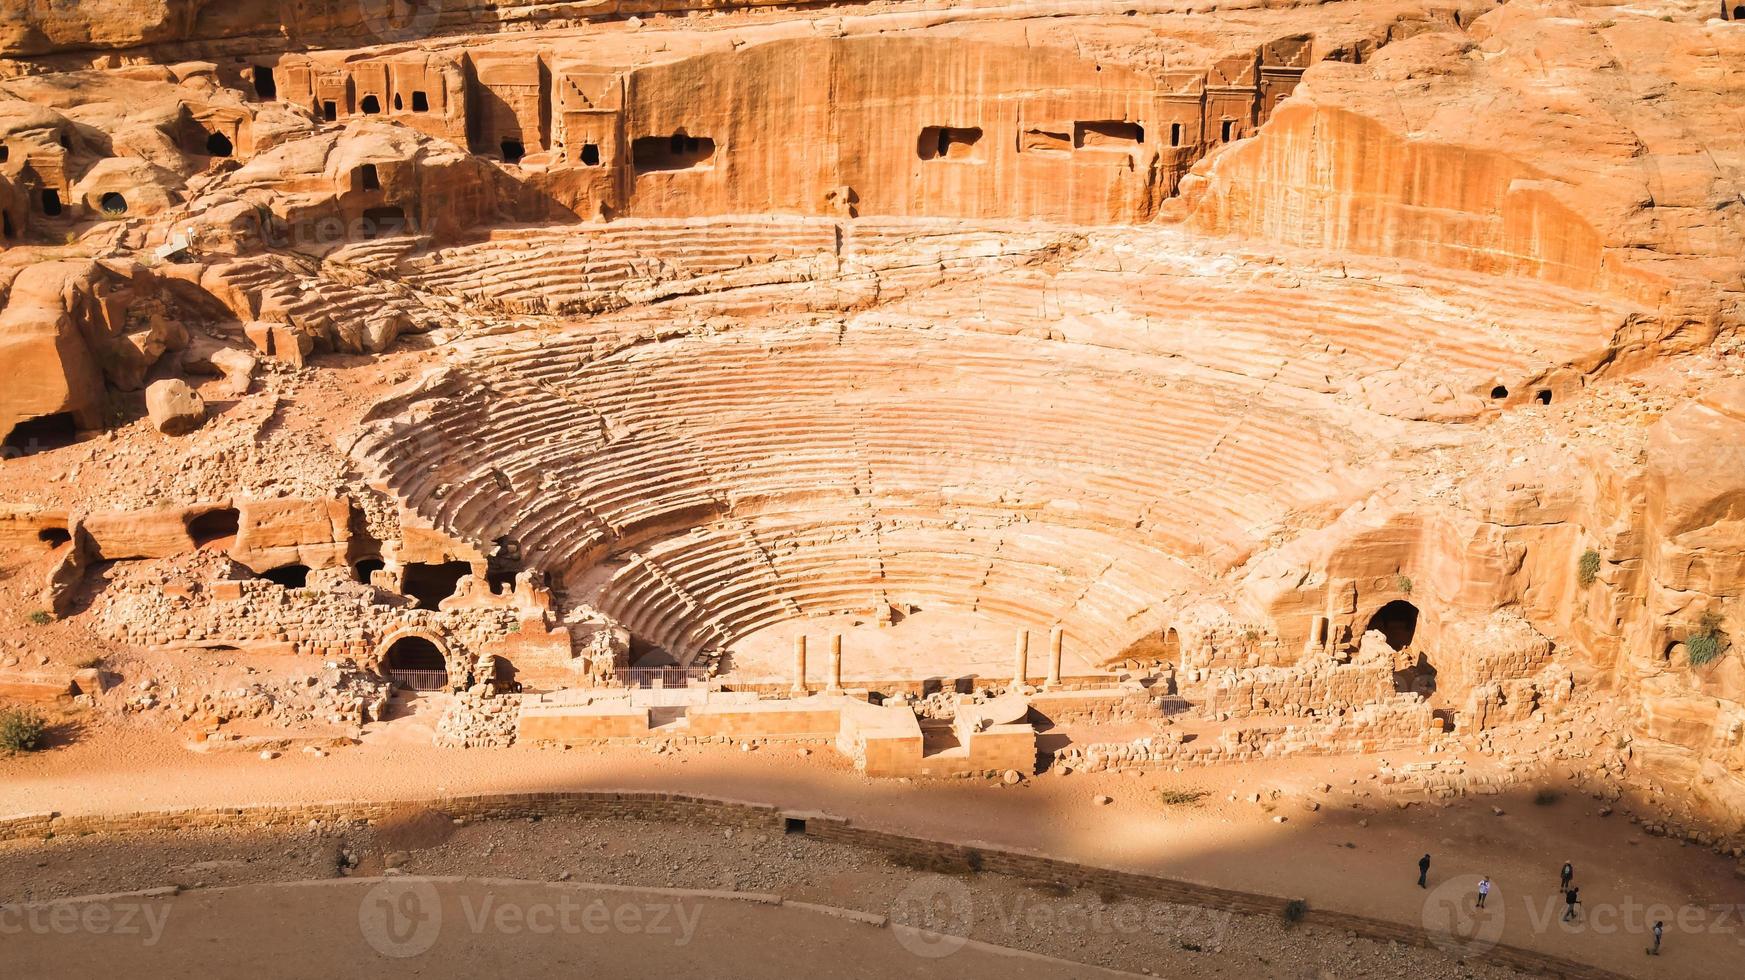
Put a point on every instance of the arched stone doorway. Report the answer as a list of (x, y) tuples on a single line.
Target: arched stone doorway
[(414, 660), (1398, 621)]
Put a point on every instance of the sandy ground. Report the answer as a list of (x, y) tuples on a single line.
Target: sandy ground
[(906, 920), (496, 930), (1357, 852)]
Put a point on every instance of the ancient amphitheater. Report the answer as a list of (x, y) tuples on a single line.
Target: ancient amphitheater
[(1321, 412)]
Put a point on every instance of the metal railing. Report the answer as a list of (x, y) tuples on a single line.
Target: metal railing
[(646, 678), (420, 680)]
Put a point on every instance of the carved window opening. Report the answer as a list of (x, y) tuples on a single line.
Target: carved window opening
[(219, 526), (289, 576), (384, 221), (420, 102), (430, 584), (680, 151), (264, 86), (1175, 134), (218, 145), (513, 151), (1229, 130), (1107, 134), (590, 155), (948, 142), (51, 202), (368, 179), (370, 105)]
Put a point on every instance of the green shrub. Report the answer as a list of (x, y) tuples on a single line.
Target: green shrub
[(1182, 797), (1704, 645), (41, 617), (1589, 568), (21, 730), (1404, 583), (1294, 911)]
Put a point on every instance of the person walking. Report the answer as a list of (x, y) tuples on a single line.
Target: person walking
[(1568, 875), (1659, 928), (1484, 889), (1423, 870), (1572, 898)]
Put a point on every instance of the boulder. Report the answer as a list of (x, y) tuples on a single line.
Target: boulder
[(175, 409)]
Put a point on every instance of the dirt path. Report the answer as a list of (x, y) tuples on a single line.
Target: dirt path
[(1355, 853)]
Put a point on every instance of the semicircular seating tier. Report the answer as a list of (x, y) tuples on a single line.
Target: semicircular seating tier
[(1072, 448)]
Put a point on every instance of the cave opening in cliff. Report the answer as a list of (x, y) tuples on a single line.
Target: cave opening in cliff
[(366, 568), (54, 537), (420, 102), (680, 151), (416, 662), (429, 584), (367, 178), (1739, 12), (381, 221), (1107, 134), (1228, 131), (289, 576), (948, 142), (1172, 646), (1543, 396), (6, 224), (40, 434), (264, 86), (1175, 134), (113, 203), (370, 106), (5, 152), (215, 527), (513, 151), (590, 155), (1499, 392), (399, 103), (1397, 621), (218, 145), (51, 202)]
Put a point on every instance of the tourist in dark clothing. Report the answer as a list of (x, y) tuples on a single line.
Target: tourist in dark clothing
[(1568, 875), (1423, 870), (1573, 898)]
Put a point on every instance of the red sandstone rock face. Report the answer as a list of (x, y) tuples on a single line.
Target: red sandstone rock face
[(904, 314)]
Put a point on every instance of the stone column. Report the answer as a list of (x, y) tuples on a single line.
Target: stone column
[(800, 664), (1021, 658), (835, 686), (1056, 637)]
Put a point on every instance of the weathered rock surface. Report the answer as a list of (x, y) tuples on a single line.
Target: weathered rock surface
[(175, 408)]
